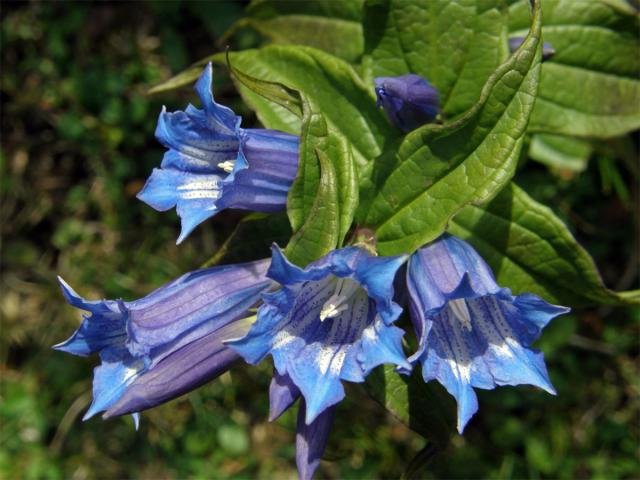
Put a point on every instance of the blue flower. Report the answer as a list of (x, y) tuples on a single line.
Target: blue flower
[(169, 342), (212, 164), (331, 321), (473, 333), (409, 100)]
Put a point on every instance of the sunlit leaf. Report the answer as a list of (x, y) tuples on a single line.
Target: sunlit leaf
[(591, 86)]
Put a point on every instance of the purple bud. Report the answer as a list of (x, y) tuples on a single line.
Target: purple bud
[(409, 100)]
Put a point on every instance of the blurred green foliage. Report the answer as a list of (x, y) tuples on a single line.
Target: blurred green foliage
[(77, 145)]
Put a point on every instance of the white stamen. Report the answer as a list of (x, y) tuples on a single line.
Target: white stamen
[(227, 165), (460, 310), (338, 302)]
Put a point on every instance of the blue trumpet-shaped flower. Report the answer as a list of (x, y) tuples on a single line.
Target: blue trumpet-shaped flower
[(169, 342), (408, 100), (331, 321), (473, 333), (212, 164)]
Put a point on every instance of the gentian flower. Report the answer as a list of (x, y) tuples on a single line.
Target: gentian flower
[(408, 100), (547, 50), (331, 321), (169, 342), (212, 164), (473, 333)]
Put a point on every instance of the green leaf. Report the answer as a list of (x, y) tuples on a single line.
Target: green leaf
[(456, 45), (590, 86), (560, 153), (273, 91), (318, 234), (334, 27), (323, 197), (423, 407), (531, 250), (330, 85), (440, 169), (252, 239)]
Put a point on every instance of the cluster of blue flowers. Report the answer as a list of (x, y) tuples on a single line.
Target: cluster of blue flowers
[(330, 322)]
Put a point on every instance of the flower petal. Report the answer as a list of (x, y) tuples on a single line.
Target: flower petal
[(104, 328), (282, 394), (323, 355), (196, 195), (193, 146), (212, 164), (111, 378), (194, 304), (218, 116), (382, 344), (311, 441)]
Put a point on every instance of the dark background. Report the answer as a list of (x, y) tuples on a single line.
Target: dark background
[(77, 145)]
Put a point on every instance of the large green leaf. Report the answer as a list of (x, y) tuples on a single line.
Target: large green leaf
[(330, 85), (455, 44), (332, 26), (440, 169), (323, 197), (531, 250), (423, 407), (590, 87)]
